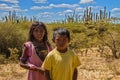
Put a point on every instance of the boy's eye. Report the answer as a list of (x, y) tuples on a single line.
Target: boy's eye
[(60, 39)]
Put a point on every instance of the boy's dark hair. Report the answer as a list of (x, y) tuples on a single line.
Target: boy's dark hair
[(35, 25), (61, 31)]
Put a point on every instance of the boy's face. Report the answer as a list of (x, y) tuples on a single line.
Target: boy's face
[(61, 41)]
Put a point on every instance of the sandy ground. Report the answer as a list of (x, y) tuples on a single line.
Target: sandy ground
[(93, 67)]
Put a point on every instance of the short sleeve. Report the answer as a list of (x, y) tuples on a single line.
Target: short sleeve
[(76, 61), (25, 52), (28, 46), (47, 64)]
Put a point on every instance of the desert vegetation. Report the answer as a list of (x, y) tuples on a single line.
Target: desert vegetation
[(94, 37)]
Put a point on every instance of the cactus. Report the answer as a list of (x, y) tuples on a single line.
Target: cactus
[(94, 17), (104, 12), (70, 18), (109, 15), (88, 16)]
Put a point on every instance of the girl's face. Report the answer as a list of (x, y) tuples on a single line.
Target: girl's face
[(61, 42), (38, 33)]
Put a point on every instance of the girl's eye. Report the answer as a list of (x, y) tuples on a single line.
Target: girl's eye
[(40, 31), (36, 30)]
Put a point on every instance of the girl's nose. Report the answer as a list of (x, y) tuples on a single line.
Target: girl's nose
[(38, 33)]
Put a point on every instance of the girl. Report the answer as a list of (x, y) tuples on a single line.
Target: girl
[(35, 51)]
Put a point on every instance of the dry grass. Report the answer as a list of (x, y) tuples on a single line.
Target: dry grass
[(93, 67), (12, 72)]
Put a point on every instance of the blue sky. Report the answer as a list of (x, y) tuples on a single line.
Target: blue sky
[(55, 10)]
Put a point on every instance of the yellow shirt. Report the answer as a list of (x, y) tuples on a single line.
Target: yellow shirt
[(61, 65)]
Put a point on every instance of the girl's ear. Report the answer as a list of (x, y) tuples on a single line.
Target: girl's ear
[(53, 40)]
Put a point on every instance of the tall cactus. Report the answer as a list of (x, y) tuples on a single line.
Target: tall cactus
[(109, 15), (105, 12), (101, 15), (70, 18), (90, 16), (10, 16), (14, 16)]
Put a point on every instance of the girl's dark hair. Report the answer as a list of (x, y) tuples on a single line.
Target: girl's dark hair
[(61, 31), (33, 26)]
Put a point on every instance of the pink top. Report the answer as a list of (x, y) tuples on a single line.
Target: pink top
[(34, 60)]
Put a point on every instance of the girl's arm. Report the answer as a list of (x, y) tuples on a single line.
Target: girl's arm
[(23, 59), (75, 74), (47, 75), (29, 66)]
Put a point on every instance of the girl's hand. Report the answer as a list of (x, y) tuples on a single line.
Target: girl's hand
[(39, 69), (35, 68)]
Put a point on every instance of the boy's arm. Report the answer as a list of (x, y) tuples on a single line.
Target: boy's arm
[(47, 74), (75, 74)]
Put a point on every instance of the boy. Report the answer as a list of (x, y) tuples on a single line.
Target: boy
[(61, 63)]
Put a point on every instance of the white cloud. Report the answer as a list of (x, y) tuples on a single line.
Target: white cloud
[(10, 1), (45, 14), (4, 13), (15, 7), (68, 11), (60, 13), (11, 7), (79, 9), (5, 7), (40, 1), (63, 5), (86, 1), (21, 10), (54, 6), (40, 7), (96, 7), (115, 10)]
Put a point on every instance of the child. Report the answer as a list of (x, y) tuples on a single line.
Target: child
[(61, 63), (35, 51)]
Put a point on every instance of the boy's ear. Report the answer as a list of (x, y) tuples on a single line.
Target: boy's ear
[(69, 40)]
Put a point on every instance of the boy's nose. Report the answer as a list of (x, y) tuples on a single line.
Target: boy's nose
[(61, 42)]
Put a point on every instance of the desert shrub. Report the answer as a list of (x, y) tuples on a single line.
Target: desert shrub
[(14, 54), (2, 58), (111, 40), (102, 29), (12, 59), (11, 36)]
